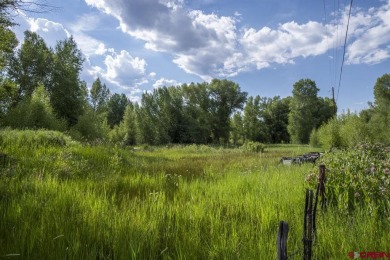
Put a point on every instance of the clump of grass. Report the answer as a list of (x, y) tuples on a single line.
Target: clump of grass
[(33, 138)]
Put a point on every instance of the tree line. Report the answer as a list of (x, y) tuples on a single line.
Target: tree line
[(41, 88)]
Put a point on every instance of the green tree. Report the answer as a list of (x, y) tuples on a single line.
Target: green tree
[(100, 96), (303, 104), (380, 120), (34, 112), (237, 134), (32, 64), (197, 118), (8, 96), (8, 43), (276, 119), (146, 120), (225, 97), (67, 92), (116, 107)]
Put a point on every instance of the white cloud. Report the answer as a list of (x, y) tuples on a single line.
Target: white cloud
[(122, 70), (209, 45), (80, 30), (370, 36), (162, 82), (49, 30)]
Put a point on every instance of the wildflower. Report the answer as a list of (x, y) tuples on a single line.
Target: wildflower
[(357, 194)]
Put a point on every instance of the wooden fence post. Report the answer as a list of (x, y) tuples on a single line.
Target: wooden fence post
[(319, 192), (308, 226), (282, 240), (321, 185)]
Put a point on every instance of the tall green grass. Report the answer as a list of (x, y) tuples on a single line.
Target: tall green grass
[(85, 202)]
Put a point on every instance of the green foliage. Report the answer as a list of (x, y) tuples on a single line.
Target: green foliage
[(329, 135), (116, 107), (8, 96), (225, 97), (67, 92), (358, 178), (307, 111), (314, 138), (100, 96), (276, 119), (90, 127), (32, 139), (8, 43), (253, 147), (34, 113), (237, 134), (32, 65), (254, 121), (347, 130)]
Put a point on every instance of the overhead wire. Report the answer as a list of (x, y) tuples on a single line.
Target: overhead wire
[(327, 38), (344, 49)]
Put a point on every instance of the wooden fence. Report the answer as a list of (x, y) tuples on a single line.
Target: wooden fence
[(309, 221)]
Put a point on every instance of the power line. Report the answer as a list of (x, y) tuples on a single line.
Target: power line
[(327, 40), (345, 45)]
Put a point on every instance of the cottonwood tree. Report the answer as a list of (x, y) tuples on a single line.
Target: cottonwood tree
[(32, 65), (380, 121), (116, 107), (99, 96), (196, 113), (225, 97), (67, 91), (276, 119), (301, 116)]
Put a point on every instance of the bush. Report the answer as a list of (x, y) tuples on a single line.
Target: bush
[(90, 127), (253, 147), (33, 138), (346, 131), (35, 113), (358, 177)]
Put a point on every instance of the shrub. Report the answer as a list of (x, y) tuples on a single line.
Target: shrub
[(90, 127), (33, 138), (358, 177), (253, 147), (35, 113)]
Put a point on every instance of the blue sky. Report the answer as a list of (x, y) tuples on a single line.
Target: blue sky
[(265, 45)]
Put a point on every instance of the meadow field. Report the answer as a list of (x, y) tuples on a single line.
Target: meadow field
[(60, 199)]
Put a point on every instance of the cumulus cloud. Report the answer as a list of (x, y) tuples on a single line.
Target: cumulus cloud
[(194, 38), (49, 30), (209, 45), (370, 36), (163, 82), (122, 70)]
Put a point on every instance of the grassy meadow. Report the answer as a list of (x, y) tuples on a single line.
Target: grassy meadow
[(60, 199)]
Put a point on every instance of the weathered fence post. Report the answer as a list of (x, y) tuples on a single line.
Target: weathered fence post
[(319, 192), (321, 185), (282, 240), (308, 226)]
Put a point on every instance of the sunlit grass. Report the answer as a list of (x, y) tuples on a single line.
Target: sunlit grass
[(197, 202)]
